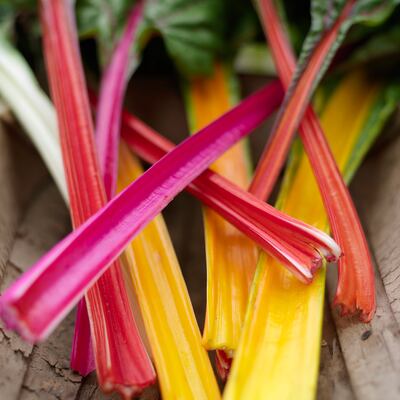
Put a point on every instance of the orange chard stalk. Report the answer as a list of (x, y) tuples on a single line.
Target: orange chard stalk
[(121, 359), (356, 287), (231, 256)]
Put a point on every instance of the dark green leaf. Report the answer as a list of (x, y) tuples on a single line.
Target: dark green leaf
[(382, 109), (381, 50), (194, 32), (9, 10), (7, 16), (191, 29), (103, 20), (324, 14)]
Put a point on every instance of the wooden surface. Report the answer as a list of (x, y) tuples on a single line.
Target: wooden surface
[(358, 361)]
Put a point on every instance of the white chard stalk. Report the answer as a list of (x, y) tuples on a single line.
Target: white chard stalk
[(33, 109)]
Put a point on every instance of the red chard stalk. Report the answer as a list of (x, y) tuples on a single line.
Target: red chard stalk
[(356, 288), (121, 360), (107, 133), (292, 112)]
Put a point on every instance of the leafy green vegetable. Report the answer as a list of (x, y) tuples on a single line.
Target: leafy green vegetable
[(191, 29)]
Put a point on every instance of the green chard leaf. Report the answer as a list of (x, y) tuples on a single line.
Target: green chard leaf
[(18, 5), (9, 10), (191, 30), (385, 105), (339, 16), (381, 51), (7, 16), (103, 20), (254, 58)]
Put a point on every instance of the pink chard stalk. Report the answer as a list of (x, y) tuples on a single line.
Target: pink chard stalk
[(112, 90)]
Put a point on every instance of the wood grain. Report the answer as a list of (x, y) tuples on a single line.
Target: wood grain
[(33, 217), (372, 351), (333, 382), (377, 190), (21, 174)]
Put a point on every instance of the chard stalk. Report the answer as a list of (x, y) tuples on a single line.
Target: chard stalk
[(356, 287), (31, 106), (231, 256), (165, 305), (291, 115), (112, 90), (107, 132), (121, 360), (281, 337)]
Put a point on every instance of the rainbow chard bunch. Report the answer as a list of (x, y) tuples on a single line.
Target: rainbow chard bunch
[(265, 265)]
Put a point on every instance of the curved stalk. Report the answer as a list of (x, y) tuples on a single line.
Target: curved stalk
[(356, 287)]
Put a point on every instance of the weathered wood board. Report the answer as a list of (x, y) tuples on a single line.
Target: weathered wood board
[(357, 361)]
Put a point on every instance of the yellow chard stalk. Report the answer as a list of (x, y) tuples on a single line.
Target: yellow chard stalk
[(231, 257), (278, 354), (183, 367)]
